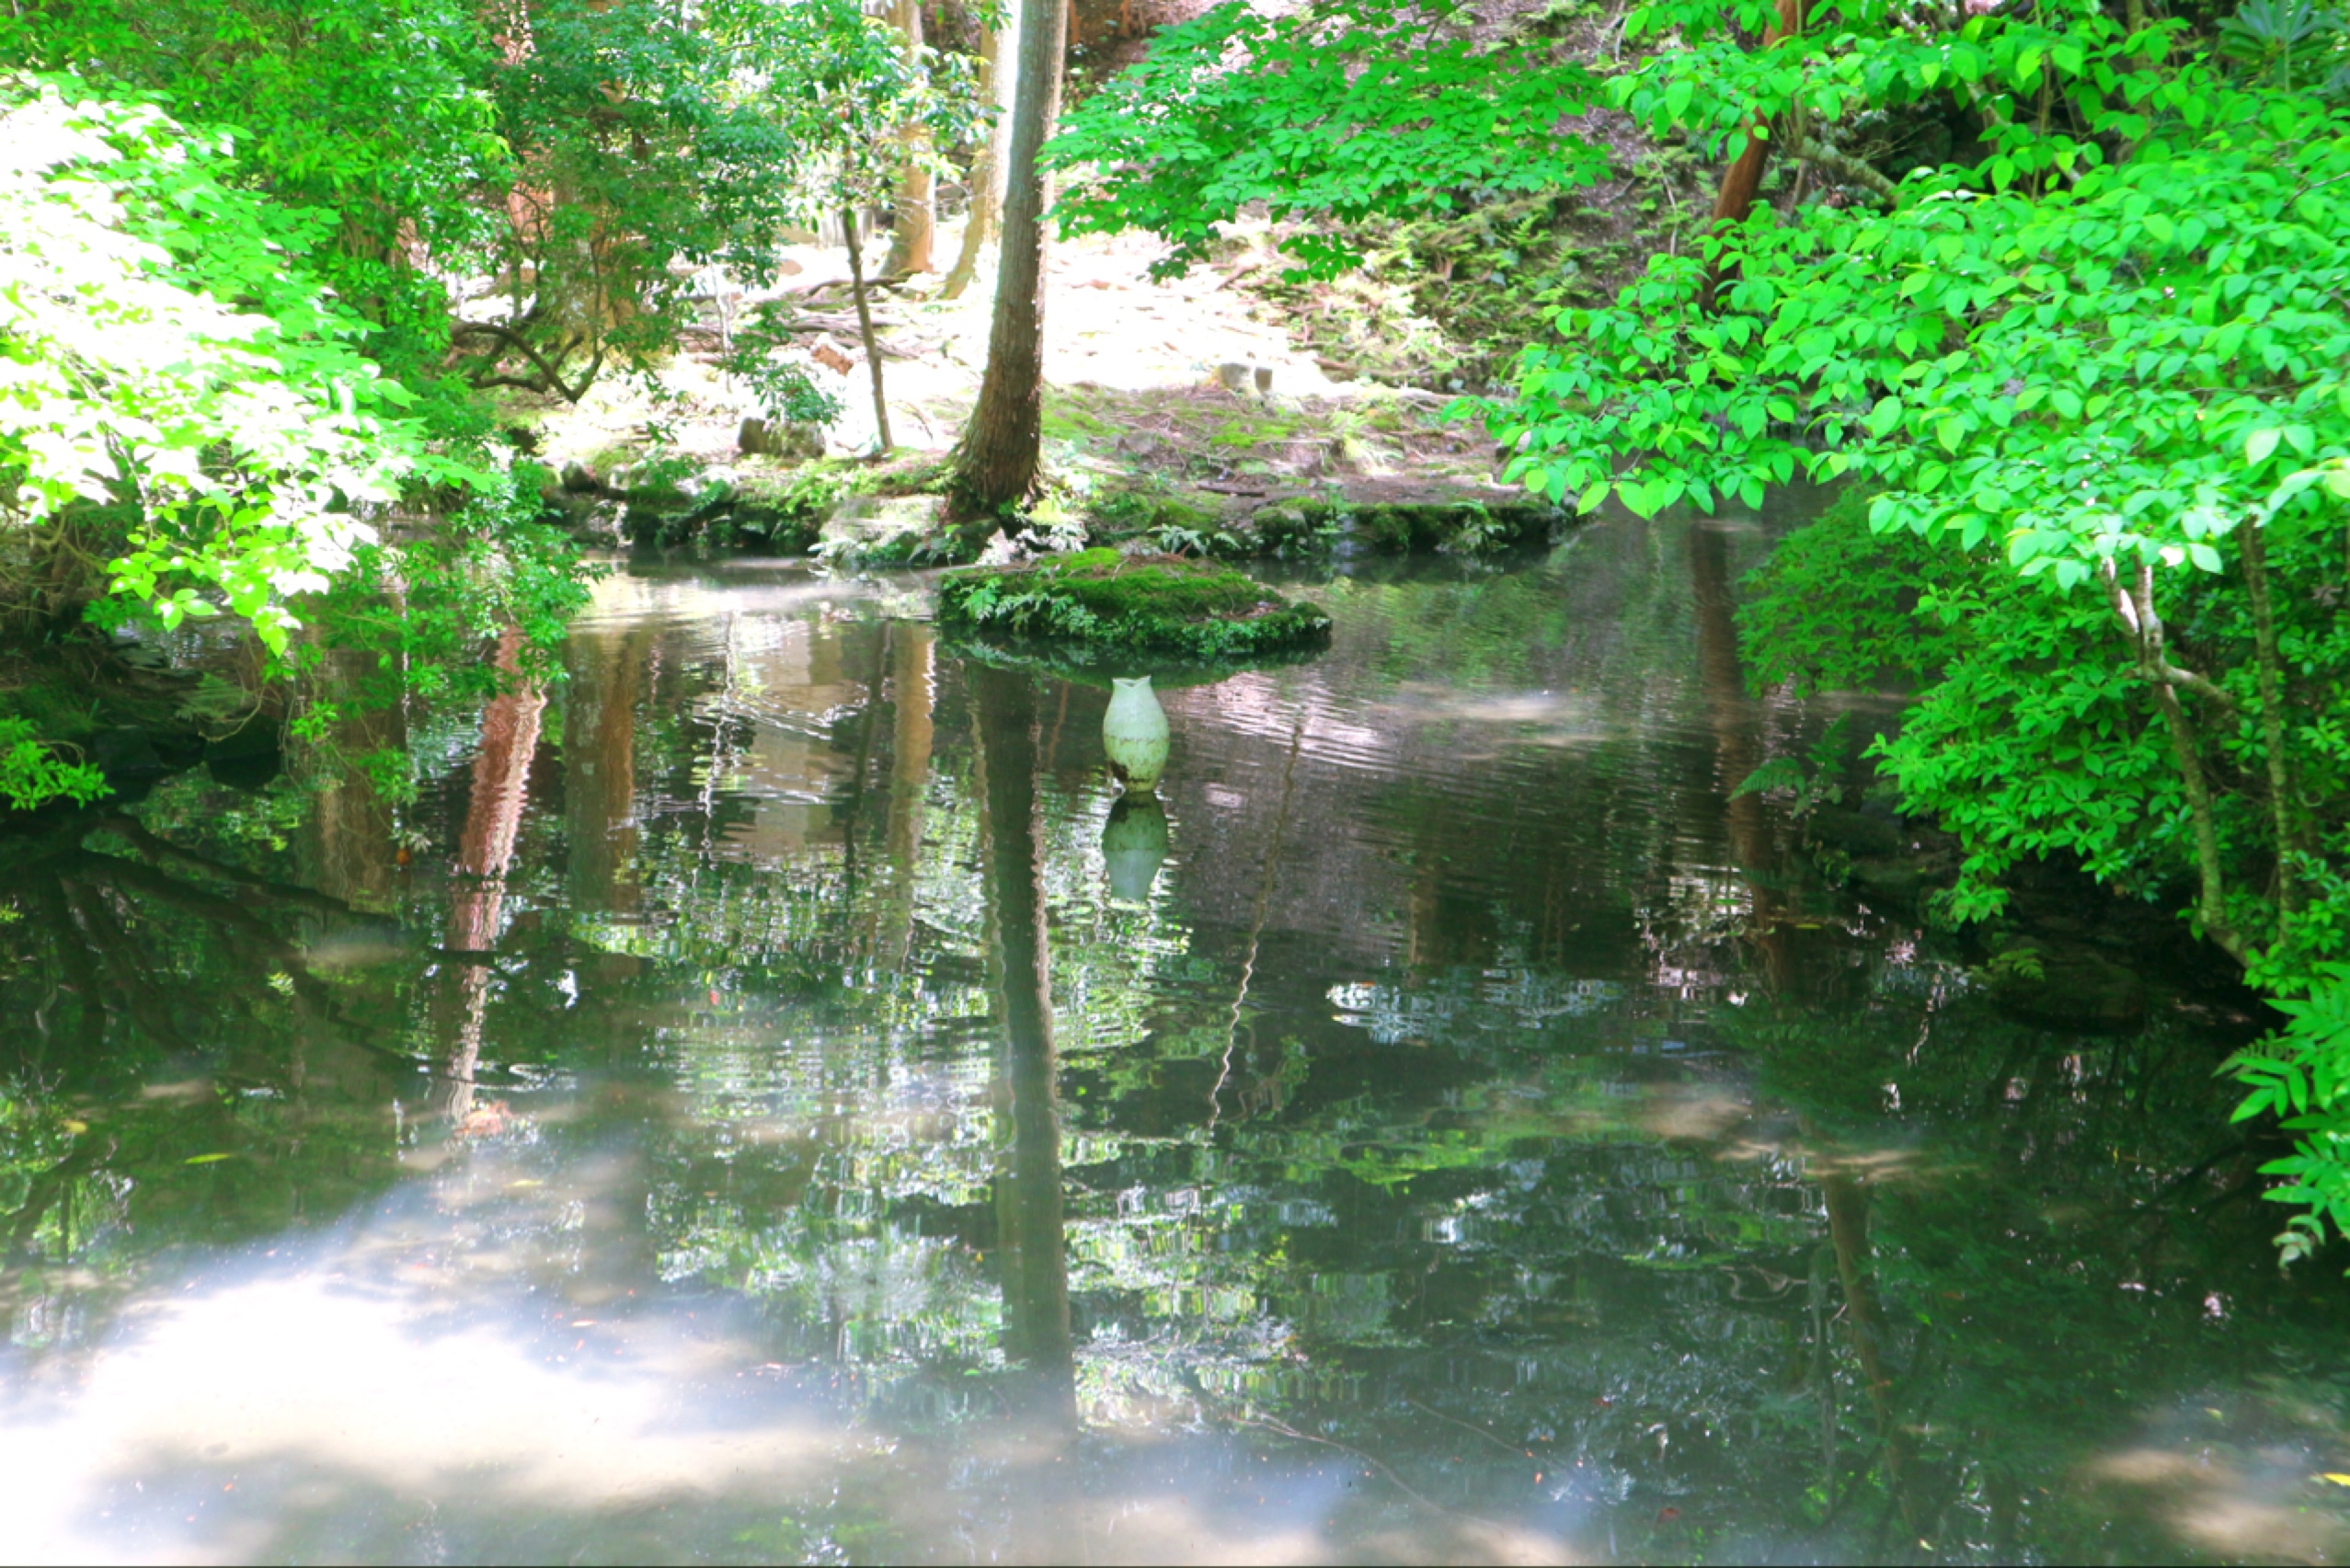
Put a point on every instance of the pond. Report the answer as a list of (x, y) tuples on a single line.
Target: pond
[(768, 1099)]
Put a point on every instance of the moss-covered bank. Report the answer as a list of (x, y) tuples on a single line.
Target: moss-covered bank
[(1160, 606)]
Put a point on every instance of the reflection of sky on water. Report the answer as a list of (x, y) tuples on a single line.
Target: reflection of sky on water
[(1476, 1136), (393, 1389)]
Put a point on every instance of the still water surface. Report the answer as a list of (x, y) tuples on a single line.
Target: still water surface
[(767, 1099)]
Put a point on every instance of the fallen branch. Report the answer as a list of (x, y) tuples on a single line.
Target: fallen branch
[(1847, 168)]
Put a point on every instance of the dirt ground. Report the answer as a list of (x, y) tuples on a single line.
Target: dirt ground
[(1139, 385)]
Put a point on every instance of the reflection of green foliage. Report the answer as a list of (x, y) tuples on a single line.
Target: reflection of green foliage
[(1575, 1204), (189, 807), (490, 568)]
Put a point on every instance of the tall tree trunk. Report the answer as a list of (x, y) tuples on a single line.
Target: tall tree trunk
[(910, 238), (865, 328), (986, 212), (1743, 179), (997, 462)]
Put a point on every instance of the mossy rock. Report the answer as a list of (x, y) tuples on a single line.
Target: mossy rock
[(1210, 523), (890, 531), (1099, 606), (1402, 527), (2066, 987), (1434, 525)]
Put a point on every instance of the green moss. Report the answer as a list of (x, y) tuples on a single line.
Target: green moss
[(1246, 432), (1067, 420), (1101, 600), (1176, 522)]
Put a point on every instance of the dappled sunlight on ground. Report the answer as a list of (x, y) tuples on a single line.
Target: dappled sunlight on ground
[(2268, 1503)]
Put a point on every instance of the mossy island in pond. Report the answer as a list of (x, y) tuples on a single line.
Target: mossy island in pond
[(1099, 604)]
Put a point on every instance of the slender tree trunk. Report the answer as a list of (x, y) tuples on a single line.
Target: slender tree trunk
[(1743, 179), (2135, 610), (997, 462), (997, 77), (2271, 666), (911, 236), (865, 328)]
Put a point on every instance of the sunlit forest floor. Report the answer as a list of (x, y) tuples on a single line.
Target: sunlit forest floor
[(1196, 384)]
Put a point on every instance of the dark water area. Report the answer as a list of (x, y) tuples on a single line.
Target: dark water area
[(767, 1100)]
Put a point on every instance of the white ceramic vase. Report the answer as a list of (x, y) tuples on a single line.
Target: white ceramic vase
[(1134, 733)]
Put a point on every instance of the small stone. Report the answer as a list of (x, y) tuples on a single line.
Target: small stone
[(580, 479), (1264, 379)]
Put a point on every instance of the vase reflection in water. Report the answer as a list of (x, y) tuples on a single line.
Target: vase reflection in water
[(1134, 733), (1134, 845)]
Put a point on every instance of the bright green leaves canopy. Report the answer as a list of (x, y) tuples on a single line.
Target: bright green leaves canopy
[(2081, 374), (162, 347), (2061, 66), (1335, 113), (369, 109)]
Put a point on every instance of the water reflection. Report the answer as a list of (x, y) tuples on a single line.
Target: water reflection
[(1134, 845), (772, 1097), (1029, 1233)]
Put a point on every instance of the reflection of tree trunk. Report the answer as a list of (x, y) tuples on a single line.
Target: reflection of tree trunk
[(1257, 924), (909, 781), (347, 849), (73, 958), (1848, 1229), (1035, 1269), (868, 715), (149, 1010), (510, 735), (600, 769), (1732, 716)]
